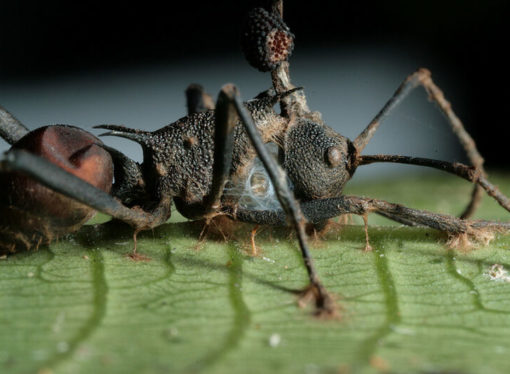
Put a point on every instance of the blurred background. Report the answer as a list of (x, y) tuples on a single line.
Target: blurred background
[(95, 62)]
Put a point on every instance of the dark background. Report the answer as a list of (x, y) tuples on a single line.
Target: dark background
[(50, 39)]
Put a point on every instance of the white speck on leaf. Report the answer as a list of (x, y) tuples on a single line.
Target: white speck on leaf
[(39, 354), (312, 369), (62, 347), (57, 326), (275, 340), (173, 331), (402, 330), (498, 273)]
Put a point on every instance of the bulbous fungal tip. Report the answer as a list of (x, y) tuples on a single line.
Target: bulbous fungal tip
[(266, 40)]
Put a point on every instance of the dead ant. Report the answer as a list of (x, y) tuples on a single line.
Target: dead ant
[(198, 160)]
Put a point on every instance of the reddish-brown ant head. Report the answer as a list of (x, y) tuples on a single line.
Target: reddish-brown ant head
[(31, 214), (317, 160)]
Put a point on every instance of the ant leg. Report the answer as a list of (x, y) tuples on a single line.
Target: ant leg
[(324, 302), (459, 230), (398, 219), (128, 186), (318, 210), (368, 247), (197, 100), (226, 120), (468, 173), (254, 249), (69, 185), (11, 129), (422, 77)]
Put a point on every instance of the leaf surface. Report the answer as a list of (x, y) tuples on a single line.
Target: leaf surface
[(410, 306)]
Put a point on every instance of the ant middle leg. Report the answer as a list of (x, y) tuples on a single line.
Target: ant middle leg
[(292, 211), (226, 120)]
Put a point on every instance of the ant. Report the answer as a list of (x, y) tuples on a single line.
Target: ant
[(197, 161)]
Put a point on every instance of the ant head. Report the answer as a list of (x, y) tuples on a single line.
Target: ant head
[(317, 160)]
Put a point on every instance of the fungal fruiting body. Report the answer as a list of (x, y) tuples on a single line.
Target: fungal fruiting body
[(266, 40)]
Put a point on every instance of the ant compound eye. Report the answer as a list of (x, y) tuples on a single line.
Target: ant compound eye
[(266, 40), (334, 156)]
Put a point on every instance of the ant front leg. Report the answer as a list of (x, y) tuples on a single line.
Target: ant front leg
[(468, 173), (324, 302), (423, 77)]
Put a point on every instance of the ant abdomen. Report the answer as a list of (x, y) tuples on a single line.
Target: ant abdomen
[(31, 214)]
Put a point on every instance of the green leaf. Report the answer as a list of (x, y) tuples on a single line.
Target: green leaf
[(410, 306)]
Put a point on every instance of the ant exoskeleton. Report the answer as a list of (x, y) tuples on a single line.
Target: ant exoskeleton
[(198, 160)]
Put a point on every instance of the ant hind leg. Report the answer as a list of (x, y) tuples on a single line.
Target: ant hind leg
[(11, 129)]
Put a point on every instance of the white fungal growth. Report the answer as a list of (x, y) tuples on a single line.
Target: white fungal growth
[(498, 273), (257, 192)]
